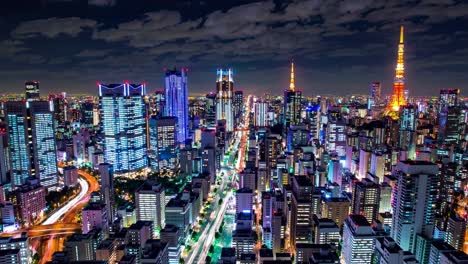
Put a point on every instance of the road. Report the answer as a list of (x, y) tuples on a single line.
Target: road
[(63, 222), (60, 212), (201, 248)]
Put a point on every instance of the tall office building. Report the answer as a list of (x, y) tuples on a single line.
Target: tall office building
[(375, 94), (122, 111), (31, 140), (32, 90), (292, 103), (261, 113), (164, 147), (177, 100), (366, 198), (451, 125), (358, 240), (4, 153), (210, 110), (60, 108), (336, 136), (158, 107), (301, 210), (414, 198), (408, 127), (448, 97), (87, 114), (107, 188), (238, 105), (151, 205), (224, 95)]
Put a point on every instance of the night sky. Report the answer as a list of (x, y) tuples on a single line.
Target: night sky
[(339, 47)]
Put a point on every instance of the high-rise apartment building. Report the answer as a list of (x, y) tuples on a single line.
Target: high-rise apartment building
[(414, 198), (224, 95), (176, 93), (456, 229), (31, 139), (123, 118)]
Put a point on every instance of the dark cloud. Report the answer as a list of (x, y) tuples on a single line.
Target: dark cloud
[(52, 27), (102, 2), (355, 40)]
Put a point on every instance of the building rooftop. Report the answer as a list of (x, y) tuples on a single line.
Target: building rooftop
[(359, 220), (228, 252), (140, 224), (176, 203)]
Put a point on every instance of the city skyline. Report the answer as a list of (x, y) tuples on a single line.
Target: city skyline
[(355, 41)]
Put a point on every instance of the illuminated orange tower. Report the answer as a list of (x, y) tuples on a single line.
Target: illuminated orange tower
[(398, 98), (292, 86)]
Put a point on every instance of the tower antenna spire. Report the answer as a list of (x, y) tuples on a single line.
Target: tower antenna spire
[(292, 85), (402, 33)]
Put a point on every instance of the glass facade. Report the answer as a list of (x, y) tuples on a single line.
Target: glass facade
[(224, 107), (122, 111), (176, 100), (31, 137)]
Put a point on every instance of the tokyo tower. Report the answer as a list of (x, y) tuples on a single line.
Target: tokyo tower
[(398, 98)]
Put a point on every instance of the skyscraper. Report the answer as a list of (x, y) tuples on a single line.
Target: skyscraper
[(107, 188), (164, 150), (292, 103), (177, 100), (448, 97), (31, 139), (261, 109), (150, 204), (400, 93), (301, 210), (451, 125), (210, 111), (414, 197), (358, 240), (375, 93), (238, 103), (4, 153), (32, 90), (408, 127), (122, 112), (456, 229), (366, 198), (224, 89)]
